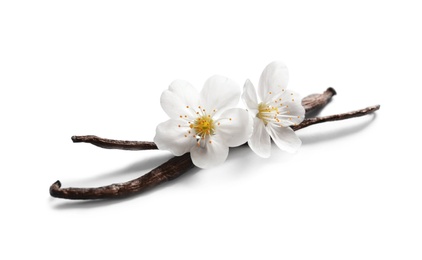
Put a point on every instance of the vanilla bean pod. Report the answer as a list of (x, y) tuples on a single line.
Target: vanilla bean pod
[(316, 120), (176, 166), (114, 144), (169, 170)]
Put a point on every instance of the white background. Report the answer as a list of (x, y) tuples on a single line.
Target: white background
[(353, 190)]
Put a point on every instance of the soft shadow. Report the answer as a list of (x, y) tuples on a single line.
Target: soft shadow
[(90, 204), (243, 158), (337, 133), (81, 204)]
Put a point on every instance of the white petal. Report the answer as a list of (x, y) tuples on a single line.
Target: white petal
[(169, 136), (260, 141), (273, 79), (212, 154), (219, 93), (186, 92), (284, 137), (249, 96), (179, 99), (234, 127), (291, 111)]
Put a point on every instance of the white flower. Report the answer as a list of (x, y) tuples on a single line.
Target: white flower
[(203, 124), (278, 109)]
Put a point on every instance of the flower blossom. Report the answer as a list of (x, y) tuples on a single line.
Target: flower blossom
[(204, 124), (279, 108)]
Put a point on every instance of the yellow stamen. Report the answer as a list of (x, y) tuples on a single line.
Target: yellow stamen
[(264, 108), (203, 126)]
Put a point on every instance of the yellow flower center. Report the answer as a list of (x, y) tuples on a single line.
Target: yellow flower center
[(265, 112), (203, 126)]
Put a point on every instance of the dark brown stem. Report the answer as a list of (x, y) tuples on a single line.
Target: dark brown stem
[(169, 170), (357, 113), (114, 144)]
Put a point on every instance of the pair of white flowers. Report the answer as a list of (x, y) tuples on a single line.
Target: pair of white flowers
[(206, 124)]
